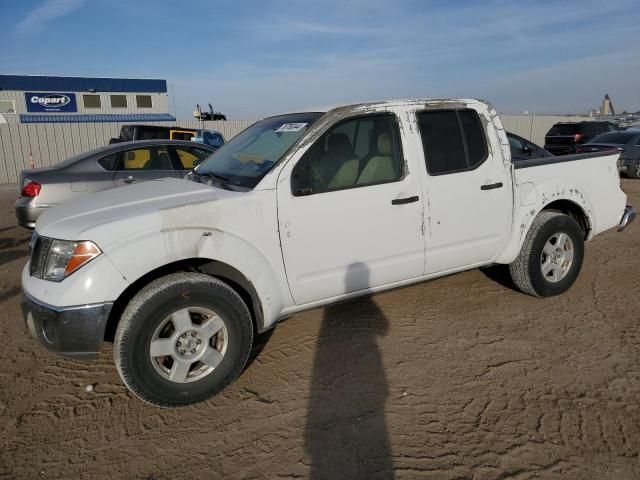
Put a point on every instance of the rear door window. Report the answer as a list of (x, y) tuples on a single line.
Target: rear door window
[(110, 162), (146, 158), (453, 140)]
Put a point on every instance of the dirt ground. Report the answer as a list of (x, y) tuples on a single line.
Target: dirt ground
[(461, 377)]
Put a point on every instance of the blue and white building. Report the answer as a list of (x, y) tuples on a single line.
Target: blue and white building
[(47, 99)]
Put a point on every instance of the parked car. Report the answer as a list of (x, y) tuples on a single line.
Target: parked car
[(130, 133), (104, 168), (523, 149), (563, 138), (300, 211), (626, 142)]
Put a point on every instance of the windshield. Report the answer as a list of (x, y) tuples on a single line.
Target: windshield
[(614, 137), (247, 157)]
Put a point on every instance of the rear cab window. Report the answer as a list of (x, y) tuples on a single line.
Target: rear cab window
[(453, 140), (565, 129)]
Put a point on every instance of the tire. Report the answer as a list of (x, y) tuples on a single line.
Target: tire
[(201, 332), (633, 171), (542, 268)]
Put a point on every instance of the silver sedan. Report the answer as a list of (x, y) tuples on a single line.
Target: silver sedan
[(104, 168)]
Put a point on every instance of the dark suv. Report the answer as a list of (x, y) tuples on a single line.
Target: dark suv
[(564, 138)]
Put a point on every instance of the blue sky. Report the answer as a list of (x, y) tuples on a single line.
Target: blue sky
[(253, 58)]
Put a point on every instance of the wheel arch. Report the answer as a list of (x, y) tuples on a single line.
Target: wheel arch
[(223, 271), (522, 224), (572, 209)]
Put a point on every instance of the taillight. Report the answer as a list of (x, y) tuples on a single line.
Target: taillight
[(31, 189), (577, 137)]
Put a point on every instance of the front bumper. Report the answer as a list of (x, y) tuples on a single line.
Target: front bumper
[(628, 216), (75, 332)]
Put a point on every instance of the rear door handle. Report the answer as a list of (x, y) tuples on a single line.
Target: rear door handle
[(129, 179), (491, 186), (402, 201)]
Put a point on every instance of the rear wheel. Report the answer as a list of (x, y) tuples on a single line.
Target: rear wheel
[(182, 339), (551, 256)]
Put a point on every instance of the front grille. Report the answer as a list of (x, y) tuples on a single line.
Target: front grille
[(39, 253)]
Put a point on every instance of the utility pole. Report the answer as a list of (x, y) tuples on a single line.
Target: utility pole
[(173, 99)]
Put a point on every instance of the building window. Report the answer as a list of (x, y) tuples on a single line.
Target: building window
[(7, 106), (91, 101), (143, 101), (118, 101)]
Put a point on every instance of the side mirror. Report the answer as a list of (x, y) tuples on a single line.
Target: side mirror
[(197, 161)]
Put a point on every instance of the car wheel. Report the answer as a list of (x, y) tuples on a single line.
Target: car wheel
[(633, 171), (182, 339), (551, 256)]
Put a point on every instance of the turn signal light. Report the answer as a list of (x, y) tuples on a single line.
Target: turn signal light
[(83, 253), (31, 189)]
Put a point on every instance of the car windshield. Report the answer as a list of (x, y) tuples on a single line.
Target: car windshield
[(249, 156), (614, 137)]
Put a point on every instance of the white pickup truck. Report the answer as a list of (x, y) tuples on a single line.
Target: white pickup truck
[(299, 211)]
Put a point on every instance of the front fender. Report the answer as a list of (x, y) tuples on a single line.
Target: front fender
[(243, 236)]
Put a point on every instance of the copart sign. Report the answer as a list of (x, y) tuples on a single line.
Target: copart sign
[(50, 102)]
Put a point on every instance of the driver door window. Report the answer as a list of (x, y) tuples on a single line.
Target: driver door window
[(355, 153)]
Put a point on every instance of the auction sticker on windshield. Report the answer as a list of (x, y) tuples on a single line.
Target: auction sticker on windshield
[(291, 127)]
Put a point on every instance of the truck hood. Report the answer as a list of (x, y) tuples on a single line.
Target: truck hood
[(123, 206)]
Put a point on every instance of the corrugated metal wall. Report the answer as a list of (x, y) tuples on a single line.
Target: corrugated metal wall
[(535, 127), (52, 143)]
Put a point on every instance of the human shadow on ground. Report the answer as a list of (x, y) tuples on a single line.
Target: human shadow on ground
[(346, 433)]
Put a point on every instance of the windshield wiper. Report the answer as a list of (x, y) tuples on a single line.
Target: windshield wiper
[(222, 181)]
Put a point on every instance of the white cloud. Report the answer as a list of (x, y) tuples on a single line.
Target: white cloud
[(37, 19)]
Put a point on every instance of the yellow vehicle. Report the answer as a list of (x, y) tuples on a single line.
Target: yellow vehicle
[(182, 134), (130, 133)]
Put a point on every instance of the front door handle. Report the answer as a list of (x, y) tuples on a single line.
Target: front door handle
[(491, 186), (402, 201), (129, 179)]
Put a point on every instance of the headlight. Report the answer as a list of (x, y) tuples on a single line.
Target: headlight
[(64, 257)]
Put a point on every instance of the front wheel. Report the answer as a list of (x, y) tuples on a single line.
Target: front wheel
[(551, 256), (633, 171), (182, 339)]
